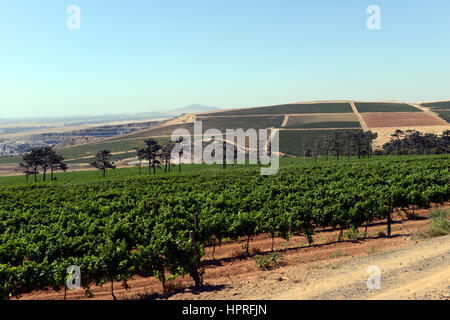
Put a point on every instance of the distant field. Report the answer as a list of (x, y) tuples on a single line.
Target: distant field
[(437, 105), (385, 107), (114, 157), (90, 150), (295, 142), (223, 123), (291, 109), (444, 115), (155, 132), (403, 119), (347, 120), (317, 125)]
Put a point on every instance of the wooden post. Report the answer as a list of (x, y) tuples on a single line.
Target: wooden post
[(195, 274), (389, 217), (414, 205)]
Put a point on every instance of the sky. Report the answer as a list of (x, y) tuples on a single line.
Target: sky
[(142, 56)]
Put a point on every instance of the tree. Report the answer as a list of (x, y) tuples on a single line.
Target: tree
[(336, 144), (45, 155), (151, 152), (32, 160), (370, 136), (56, 162), (166, 152), (316, 151), (358, 138), (224, 154), (141, 155), (327, 144), (397, 135), (26, 168), (180, 153), (446, 140), (102, 161), (50, 160), (349, 136)]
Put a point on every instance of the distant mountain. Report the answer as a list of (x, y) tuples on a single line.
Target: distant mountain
[(193, 108)]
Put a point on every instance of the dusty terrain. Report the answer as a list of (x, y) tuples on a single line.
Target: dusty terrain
[(384, 134), (401, 119), (411, 268)]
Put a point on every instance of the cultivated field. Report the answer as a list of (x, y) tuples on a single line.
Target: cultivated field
[(295, 142), (308, 118), (317, 216), (385, 107), (345, 120), (443, 105), (401, 119), (297, 108), (444, 115), (244, 122)]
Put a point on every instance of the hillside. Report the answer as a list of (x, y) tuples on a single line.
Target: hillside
[(301, 125)]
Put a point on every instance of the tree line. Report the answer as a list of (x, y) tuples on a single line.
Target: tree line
[(44, 158), (342, 144), (153, 152), (415, 142)]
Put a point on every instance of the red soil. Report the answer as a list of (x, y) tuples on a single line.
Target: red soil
[(400, 119)]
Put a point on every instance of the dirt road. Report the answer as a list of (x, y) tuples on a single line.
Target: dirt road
[(418, 272)]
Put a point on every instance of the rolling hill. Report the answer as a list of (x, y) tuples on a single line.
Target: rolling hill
[(300, 125)]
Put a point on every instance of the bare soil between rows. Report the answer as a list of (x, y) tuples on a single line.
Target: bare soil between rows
[(234, 275)]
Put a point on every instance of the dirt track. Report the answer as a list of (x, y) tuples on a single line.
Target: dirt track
[(418, 272)]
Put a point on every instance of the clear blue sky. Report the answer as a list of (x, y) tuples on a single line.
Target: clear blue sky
[(138, 56)]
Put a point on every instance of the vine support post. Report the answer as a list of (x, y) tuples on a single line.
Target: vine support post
[(195, 274), (389, 217), (112, 289), (414, 205)]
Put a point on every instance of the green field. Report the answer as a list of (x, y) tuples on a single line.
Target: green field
[(444, 115), (329, 124), (223, 123), (385, 107), (114, 157), (89, 150), (291, 109), (295, 142), (155, 132), (437, 105), (124, 225)]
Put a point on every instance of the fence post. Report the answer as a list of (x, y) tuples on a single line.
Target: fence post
[(414, 205), (195, 274), (389, 217)]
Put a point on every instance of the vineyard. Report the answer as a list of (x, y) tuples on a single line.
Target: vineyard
[(158, 226)]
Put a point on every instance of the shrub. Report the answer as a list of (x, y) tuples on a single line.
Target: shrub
[(269, 261), (440, 222)]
